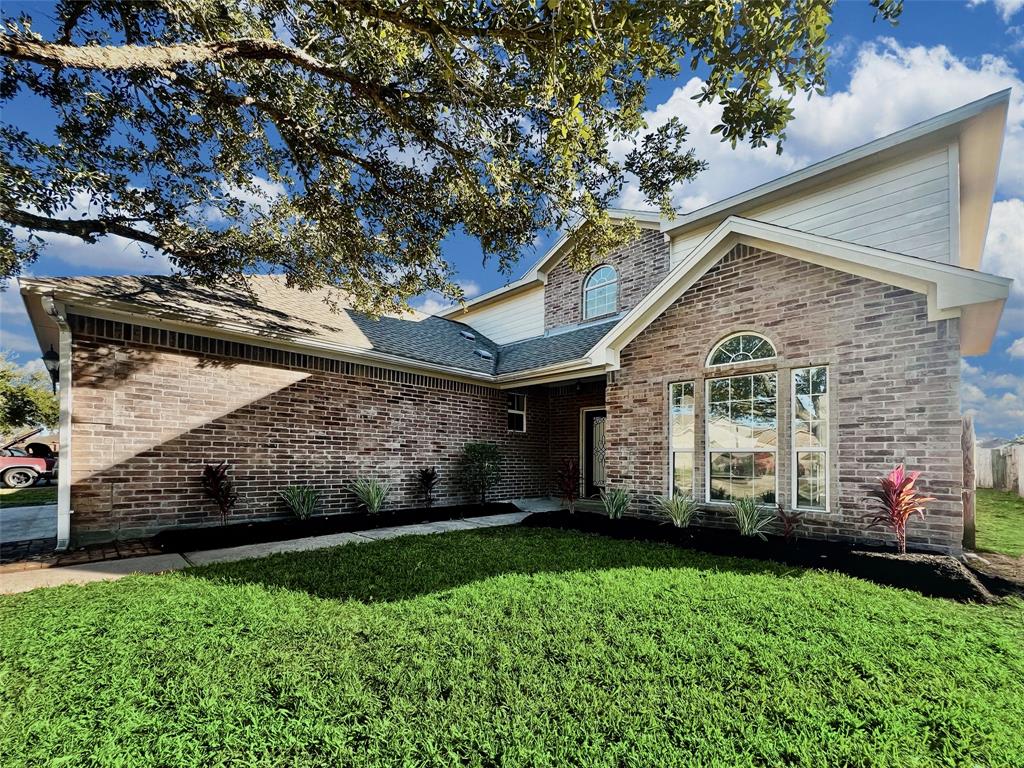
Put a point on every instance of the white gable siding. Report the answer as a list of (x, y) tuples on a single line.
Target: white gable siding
[(907, 207), (513, 319)]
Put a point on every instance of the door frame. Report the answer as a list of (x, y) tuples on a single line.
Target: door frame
[(583, 444)]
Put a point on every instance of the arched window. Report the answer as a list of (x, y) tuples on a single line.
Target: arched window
[(741, 348), (600, 292)]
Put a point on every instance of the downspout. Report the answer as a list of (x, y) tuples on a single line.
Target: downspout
[(56, 311)]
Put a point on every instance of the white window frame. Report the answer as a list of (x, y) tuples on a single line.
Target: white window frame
[(760, 360), (587, 288), (671, 451), (794, 450), (708, 450), (513, 410)]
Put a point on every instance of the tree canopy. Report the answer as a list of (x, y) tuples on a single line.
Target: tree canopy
[(341, 141), (26, 398)]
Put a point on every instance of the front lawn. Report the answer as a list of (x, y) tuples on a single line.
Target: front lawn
[(28, 497), (1000, 522), (510, 647)]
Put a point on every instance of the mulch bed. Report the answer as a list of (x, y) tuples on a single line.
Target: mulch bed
[(239, 534), (930, 575)]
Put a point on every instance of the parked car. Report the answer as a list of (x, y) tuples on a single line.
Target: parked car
[(23, 467)]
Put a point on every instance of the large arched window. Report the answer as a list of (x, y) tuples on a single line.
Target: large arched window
[(741, 348), (600, 292)]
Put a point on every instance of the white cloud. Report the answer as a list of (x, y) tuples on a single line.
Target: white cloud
[(1005, 8), (259, 196), (995, 400), (891, 87), (14, 341), (1017, 348), (432, 303), (1004, 246)]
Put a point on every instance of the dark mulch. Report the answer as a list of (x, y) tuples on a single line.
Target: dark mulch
[(239, 534), (930, 575)]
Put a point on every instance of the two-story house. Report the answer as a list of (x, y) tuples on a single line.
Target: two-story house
[(789, 343)]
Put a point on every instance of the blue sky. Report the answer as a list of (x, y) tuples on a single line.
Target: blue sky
[(941, 55)]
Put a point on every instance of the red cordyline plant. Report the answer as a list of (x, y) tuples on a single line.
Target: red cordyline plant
[(568, 477), (218, 486), (898, 499)]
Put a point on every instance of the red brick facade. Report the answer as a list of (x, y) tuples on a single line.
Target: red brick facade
[(640, 265), (894, 379), (151, 408)]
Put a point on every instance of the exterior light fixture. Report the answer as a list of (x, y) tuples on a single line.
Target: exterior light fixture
[(52, 362)]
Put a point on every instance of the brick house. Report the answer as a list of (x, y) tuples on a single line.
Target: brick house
[(790, 343)]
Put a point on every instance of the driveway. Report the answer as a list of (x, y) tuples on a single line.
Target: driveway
[(22, 523)]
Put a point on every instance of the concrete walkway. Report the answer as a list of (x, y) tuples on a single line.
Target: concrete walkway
[(23, 523), (22, 581)]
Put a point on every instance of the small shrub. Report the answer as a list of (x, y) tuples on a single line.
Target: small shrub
[(480, 466), (897, 500), (371, 492), (218, 486), (568, 478), (427, 480), (301, 500), (680, 508), (789, 520), (616, 502), (751, 518)]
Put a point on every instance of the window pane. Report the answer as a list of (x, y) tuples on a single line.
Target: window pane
[(740, 349), (682, 473), (719, 392), (516, 402), (517, 422), (736, 418), (810, 480), (736, 475)]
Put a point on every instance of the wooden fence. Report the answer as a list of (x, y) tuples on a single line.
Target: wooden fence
[(1001, 468)]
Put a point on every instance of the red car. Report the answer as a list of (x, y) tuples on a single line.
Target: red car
[(22, 467)]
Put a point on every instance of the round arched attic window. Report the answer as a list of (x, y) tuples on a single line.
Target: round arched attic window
[(600, 292), (741, 348)]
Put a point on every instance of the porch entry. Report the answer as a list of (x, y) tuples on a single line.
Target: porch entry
[(593, 450)]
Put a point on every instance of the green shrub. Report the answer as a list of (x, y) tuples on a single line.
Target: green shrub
[(371, 492), (616, 502), (751, 518), (680, 508), (301, 500), (480, 467)]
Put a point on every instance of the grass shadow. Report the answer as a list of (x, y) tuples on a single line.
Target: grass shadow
[(399, 569)]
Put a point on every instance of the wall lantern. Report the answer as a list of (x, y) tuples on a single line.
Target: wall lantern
[(52, 362)]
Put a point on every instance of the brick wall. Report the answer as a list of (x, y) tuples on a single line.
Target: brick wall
[(894, 378), (640, 265), (151, 408), (565, 403)]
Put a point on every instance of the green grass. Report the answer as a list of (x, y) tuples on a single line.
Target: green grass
[(1000, 522), (26, 497), (510, 647)]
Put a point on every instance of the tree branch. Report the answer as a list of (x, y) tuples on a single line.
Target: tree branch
[(86, 229)]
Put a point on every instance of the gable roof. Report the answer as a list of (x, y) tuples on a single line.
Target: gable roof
[(551, 349), (975, 297), (978, 127)]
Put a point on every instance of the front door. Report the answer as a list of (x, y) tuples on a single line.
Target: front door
[(593, 452)]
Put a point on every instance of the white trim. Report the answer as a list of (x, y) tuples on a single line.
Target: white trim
[(518, 412), (587, 288), (707, 442), (64, 466), (583, 444), (765, 339), (794, 450), (948, 288)]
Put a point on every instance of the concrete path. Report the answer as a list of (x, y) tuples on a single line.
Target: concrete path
[(22, 581), (23, 523)]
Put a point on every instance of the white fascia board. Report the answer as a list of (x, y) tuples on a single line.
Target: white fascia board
[(940, 130), (949, 289)]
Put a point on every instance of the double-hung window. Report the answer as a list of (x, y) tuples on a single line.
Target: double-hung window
[(681, 436), (742, 437), (810, 438), (516, 412)]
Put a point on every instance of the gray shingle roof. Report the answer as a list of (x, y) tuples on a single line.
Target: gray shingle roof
[(269, 307), (548, 350)]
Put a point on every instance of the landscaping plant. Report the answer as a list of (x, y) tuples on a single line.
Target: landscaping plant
[(371, 492), (751, 518), (480, 466), (301, 500), (898, 499), (616, 503), (427, 480), (789, 520), (568, 479), (218, 486), (680, 508)]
